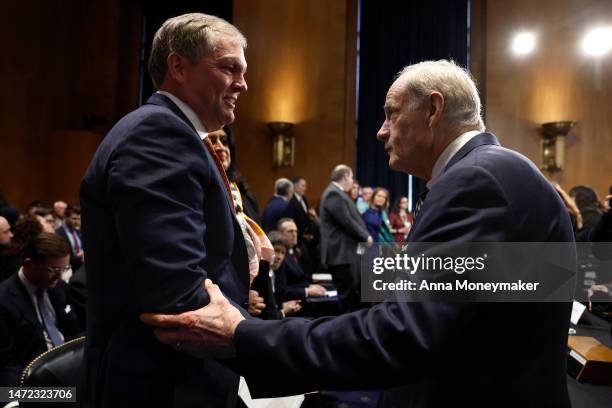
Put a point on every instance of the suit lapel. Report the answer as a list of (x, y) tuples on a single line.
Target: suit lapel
[(478, 140), (21, 299)]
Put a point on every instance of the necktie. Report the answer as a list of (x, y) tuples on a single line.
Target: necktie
[(75, 239), (47, 319), (419, 204)]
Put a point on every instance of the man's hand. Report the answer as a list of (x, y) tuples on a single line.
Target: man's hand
[(256, 303), (596, 289), (209, 330), (315, 290), (291, 306)]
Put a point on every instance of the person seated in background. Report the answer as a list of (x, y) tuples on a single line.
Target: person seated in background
[(35, 311), (71, 231), (46, 218), (375, 217), (400, 219), (12, 257), (590, 208), (291, 281), (278, 207), (276, 310), (6, 236), (572, 208), (8, 211), (601, 237), (363, 202)]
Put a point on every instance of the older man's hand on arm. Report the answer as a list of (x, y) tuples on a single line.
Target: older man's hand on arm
[(208, 331)]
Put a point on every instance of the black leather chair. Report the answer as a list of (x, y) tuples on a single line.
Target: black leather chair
[(62, 366)]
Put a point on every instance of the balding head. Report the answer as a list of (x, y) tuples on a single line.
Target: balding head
[(6, 235)]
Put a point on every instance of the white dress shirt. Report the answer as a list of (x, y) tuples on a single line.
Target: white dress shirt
[(448, 153)]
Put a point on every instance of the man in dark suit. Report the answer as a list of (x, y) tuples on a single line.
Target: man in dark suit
[(291, 282), (158, 219), (278, 207), (307, 223), (342, 228), (438, 353), (35, 310), (71, 231)]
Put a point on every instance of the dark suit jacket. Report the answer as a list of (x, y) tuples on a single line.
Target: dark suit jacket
[(75, 261), (21, 334), (341, 227), (290, 280), (276, 209), (441, 354), (157, 221)]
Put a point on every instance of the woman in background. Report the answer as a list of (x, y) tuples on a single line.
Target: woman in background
[(400, 219), (590, 208), (375, 216)]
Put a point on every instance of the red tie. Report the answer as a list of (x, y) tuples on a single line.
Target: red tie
[(75, 239)]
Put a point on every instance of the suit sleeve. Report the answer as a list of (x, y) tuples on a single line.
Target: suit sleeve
[(341, 214), (388, 344), (156, 180)]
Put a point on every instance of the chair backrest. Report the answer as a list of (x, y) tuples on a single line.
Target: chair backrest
[(61, 366)]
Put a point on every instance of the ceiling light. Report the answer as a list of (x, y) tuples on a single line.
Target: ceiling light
[(598, 41), (523, 43)]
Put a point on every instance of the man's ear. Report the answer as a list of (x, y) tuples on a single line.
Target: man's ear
[(436, 108), (27, 264), (177, 65)]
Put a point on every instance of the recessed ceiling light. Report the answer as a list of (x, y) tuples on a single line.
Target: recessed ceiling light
[(523, 43), (597, 41)]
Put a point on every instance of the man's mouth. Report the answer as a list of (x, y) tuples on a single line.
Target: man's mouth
[(231, 101)]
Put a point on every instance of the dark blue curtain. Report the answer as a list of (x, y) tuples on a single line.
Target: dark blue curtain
[(395, 34)]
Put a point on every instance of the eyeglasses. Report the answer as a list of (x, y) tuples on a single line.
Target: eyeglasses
[(58, 269)]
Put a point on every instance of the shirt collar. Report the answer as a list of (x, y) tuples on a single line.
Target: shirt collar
[(448, 153), (187, 111), (297, 196), (30, 287), (338, 185)]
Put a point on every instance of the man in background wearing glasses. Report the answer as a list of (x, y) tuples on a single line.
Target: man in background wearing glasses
[(35, 314)]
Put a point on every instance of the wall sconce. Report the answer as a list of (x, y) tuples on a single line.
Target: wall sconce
[(283, 152), (552, 145)]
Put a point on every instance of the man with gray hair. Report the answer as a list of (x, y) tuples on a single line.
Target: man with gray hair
[(279, 205), (158, 220), (436, 353)]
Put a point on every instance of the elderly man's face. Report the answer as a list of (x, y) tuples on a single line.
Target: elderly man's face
[(213, 84), (408, 140), (290, 232)]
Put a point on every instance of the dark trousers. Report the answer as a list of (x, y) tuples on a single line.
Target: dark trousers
[(345, 280)]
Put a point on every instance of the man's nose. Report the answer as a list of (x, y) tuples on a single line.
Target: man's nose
[(383, 132), (240, 84)]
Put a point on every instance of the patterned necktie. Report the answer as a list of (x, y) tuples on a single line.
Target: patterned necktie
[(47, 319), (419, 204)]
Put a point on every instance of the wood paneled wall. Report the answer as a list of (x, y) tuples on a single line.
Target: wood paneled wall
[(556, 82), (301, 69), (64, 60)]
